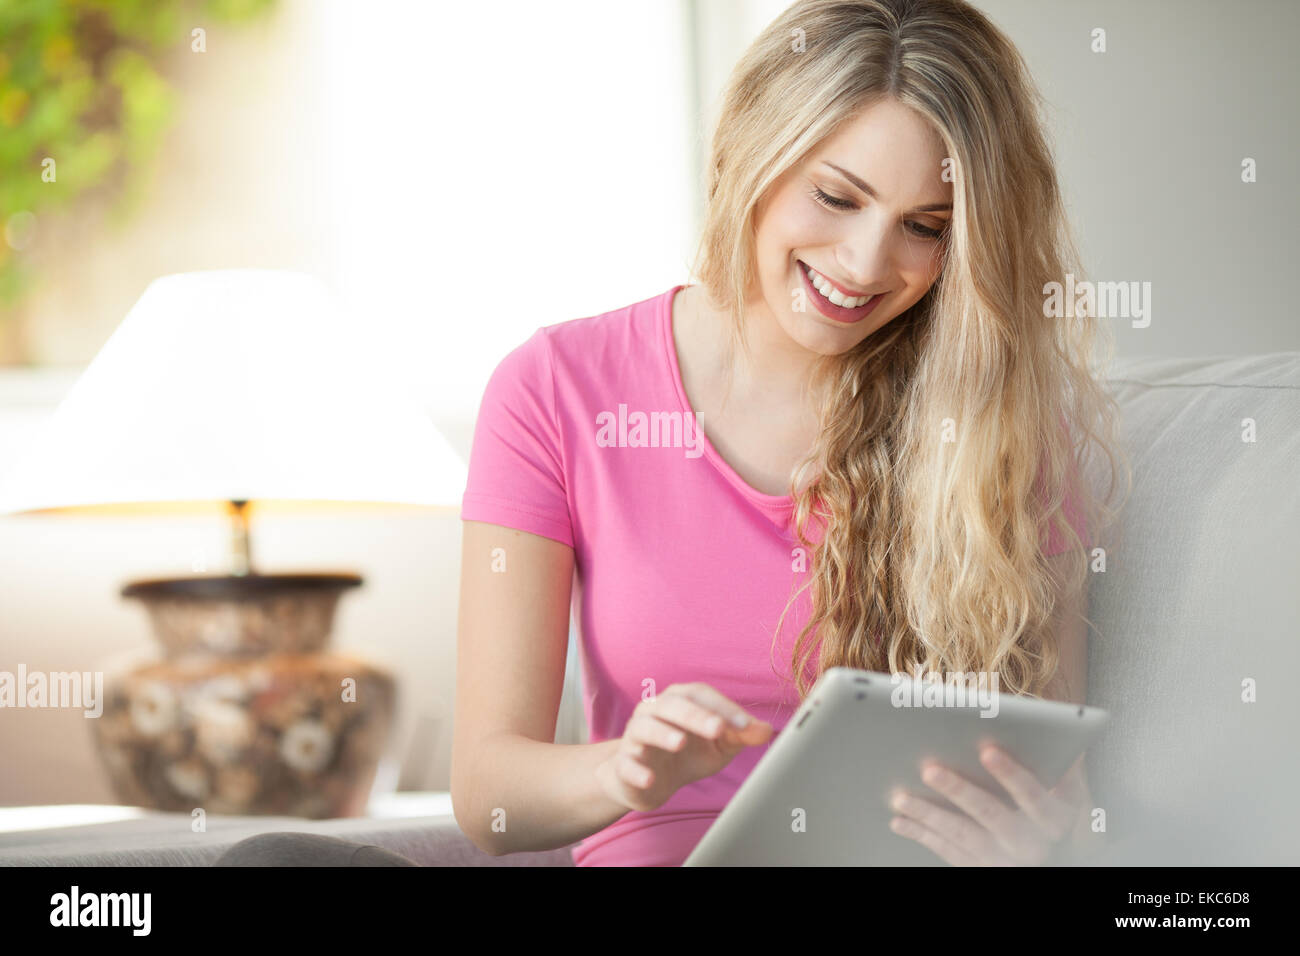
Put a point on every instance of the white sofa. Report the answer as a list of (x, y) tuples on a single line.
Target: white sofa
[(1199, 598)]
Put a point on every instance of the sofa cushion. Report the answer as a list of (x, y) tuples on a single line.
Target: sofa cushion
[(1200, 595), (165, 839)]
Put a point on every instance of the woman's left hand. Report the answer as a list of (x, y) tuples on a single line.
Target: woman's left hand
[(990, 833)]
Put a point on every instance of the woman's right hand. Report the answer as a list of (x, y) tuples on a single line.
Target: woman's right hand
[(686, 733)]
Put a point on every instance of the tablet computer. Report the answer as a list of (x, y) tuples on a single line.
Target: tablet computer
[(820, 794)]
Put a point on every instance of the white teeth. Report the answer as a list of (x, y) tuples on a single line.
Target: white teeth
[(822, 285)]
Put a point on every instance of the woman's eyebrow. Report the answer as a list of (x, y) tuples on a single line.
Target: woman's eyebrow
[(866, 188)]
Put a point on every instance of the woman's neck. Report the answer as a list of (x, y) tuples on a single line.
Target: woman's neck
[(773, 371)]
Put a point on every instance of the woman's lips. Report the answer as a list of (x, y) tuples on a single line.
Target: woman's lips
[(828, 308)]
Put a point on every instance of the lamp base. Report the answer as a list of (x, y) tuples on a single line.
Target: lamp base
[(237, 718)]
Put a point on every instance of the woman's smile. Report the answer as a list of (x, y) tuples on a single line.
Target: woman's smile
[(830, 300)]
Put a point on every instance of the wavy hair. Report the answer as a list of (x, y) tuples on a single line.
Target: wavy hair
[(931, 558)]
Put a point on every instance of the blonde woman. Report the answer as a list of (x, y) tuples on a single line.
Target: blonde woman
[(856, 441)]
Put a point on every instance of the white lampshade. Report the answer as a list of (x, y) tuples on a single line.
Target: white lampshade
[(235, 384)]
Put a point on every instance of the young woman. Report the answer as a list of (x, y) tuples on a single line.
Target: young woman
[(857, 441)]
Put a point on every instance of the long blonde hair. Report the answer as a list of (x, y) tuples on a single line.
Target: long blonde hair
[(931, 558)]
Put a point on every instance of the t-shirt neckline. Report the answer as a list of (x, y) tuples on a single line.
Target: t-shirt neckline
[(781, 503)]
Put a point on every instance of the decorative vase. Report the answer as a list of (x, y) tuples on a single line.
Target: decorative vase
[(246, 712)]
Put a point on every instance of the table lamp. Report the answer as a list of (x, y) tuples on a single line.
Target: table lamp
[(249, 391)]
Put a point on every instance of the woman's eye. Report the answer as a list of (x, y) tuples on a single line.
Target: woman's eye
[(831, 201), (925, 232)]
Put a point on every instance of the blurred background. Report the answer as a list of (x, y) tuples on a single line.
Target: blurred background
[(417, 155)]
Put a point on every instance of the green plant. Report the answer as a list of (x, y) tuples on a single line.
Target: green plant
[(84, 104)]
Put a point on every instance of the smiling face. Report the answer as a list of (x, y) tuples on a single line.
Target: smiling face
[(865, 212)]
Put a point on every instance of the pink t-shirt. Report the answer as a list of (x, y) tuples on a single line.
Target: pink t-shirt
[(585, 436)]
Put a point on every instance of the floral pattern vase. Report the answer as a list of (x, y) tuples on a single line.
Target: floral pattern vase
[(246, 712)]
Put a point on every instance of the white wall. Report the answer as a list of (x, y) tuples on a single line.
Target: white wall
[(515, 166), (1151, 135)]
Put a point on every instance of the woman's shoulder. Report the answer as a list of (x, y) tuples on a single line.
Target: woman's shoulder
[(592, 354), (619, 331)]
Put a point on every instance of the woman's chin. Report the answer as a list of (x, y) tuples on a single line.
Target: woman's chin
[(822, 336)]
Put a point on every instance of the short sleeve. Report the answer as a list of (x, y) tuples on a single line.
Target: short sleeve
[(516, 466), (1055, 539)]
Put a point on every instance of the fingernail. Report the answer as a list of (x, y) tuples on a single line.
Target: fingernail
[(740, 720)]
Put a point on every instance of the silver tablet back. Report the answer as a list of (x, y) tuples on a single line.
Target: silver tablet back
[(820, 794)]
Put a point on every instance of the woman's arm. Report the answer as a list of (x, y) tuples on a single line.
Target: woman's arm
[(1071, 680), (512, 787)]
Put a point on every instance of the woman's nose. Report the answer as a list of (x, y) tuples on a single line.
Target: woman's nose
[(865, 257)]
